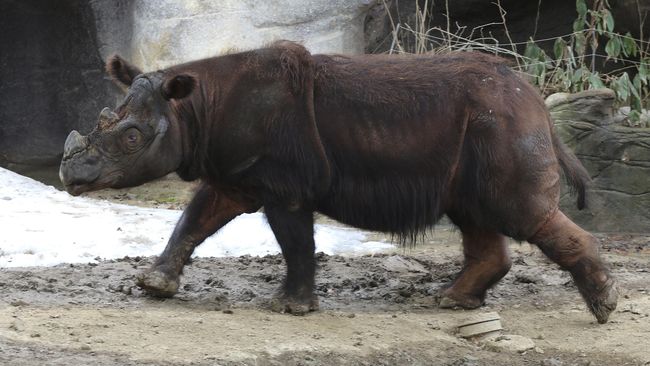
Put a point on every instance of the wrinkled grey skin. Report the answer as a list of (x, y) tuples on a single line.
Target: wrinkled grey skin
[(134, 146)]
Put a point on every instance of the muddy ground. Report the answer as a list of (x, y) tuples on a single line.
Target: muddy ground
[(375, 310)]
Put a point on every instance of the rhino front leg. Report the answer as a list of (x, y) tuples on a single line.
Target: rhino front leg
[(294, 230), (208, 211)]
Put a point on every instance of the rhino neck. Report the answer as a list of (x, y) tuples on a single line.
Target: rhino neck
[(187, 130)]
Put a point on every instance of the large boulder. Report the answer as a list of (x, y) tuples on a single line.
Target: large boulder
[(617, 158)]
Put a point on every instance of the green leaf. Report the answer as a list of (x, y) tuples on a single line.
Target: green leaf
[(558, 48), (613, 48), (580, 44), (630, 85), (634, 116), (638, 84), (621, 88), (643, 71), (581, 8), (595, 82), (636, 105), (578, 24), (532, 51), (629, 45), (577, 76), (608, 20)]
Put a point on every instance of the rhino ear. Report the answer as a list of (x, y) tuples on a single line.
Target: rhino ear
[(178, 86), (121, 71)]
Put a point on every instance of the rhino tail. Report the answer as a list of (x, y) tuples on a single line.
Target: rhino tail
[(575, 173)]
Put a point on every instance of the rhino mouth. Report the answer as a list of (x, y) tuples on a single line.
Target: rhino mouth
[(76, 188)]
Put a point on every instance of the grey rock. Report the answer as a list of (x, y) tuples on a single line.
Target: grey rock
[(593, 106), (616, 157)]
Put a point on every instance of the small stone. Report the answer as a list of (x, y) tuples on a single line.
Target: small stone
[(18, 303), (352, 315), (551, 362), (227, 311), (510, 343), (85, 347)]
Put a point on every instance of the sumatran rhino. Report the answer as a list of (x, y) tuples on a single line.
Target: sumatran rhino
[(381, 142)]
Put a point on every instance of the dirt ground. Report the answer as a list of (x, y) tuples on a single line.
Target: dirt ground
[(375, 310)]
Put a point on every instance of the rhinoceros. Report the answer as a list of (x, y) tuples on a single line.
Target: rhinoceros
[(380, 142)]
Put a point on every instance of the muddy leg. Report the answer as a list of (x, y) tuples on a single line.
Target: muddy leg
[(208, 211), (487, 260), (576, 251), (294, 230)]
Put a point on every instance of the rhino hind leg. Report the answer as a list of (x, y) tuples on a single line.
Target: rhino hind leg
[(294, 231), (487, 260), (576, 251)]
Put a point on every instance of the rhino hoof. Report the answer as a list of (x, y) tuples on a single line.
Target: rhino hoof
[(447, 302), (157, 283), (603, 304), (288, 305)]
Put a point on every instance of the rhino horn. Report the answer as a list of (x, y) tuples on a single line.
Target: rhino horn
[(106, 116), (74, 143)]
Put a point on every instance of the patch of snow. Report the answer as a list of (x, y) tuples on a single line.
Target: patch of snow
[(42, 226)]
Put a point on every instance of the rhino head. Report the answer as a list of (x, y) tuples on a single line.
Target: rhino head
[(138, 142)]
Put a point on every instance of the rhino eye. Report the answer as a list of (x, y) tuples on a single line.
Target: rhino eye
[(132, 137)]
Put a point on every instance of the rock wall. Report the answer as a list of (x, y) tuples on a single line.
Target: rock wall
[(166, 32), (52, 52), (617, 158), (51, 78)]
